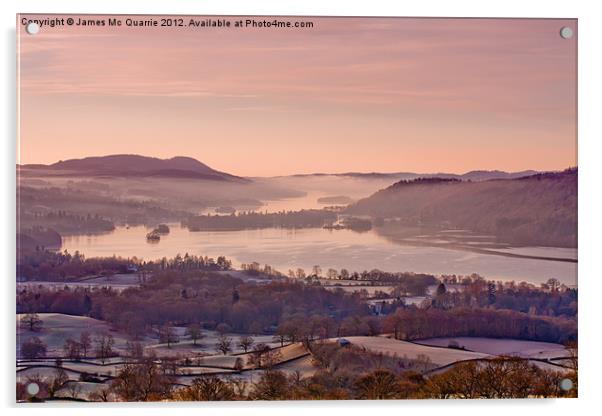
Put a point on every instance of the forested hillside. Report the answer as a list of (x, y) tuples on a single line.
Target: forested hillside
[(537, 210)]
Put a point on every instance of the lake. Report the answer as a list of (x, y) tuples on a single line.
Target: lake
[(287, 249)]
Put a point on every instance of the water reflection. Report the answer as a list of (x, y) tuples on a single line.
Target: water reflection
[(288, 249)]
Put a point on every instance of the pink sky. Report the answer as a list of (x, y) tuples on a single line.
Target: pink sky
[(373, 94)]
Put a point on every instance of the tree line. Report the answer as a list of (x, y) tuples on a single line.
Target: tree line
[(310, 218), (46, 265)]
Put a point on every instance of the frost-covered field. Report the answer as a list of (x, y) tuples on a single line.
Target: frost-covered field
[(438, 356), (492, 346), (203, 357), (56, 328)]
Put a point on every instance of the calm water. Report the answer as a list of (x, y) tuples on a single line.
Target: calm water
[(309, 201), (289, 249)]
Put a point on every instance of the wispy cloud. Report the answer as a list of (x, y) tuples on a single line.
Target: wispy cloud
[(435, 86)]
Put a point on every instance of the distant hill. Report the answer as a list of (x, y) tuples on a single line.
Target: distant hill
[(539, 209), (475, 175), (133, 165)]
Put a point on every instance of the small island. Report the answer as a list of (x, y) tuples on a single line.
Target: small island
[(153, 237)]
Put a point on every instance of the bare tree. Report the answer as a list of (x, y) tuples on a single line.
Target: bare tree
[(104, 346), (72, 349), (144, 381), (280, 336), (85, 341), (102, 395), (332, 274), (74, 389), (168, 335), (207, 388), (380, 384), (245, 342), (134, 349), (240, 387), (255, 358), (33, 348), (316, 270), (57, 382), (194, 332), (32, 322), (224, 344)]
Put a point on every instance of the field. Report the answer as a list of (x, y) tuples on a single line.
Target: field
[(58, 327), (436, 351), (514, 347), (430, 355), (203, 358), (438, 356)]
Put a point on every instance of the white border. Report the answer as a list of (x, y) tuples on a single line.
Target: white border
[(590, 200)]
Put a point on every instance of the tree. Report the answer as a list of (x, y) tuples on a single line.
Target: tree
[(288, 330), (280, 335), (104, 346), (32, 322), (144, 381), (168, 335), (206, 388), (87, 304), (553, 284), (72, 349), (239, 364), (316, 270), (133, 323), (235, 296), (33, 348), (245, 342), (85, 341), (194, 332), (74, 388), (378, 385), (57, 382), (271, 357), (491, 290), (224, 344), (263, 356), (223, 328), (441, 289), (272, 385), (134, 349), (500, 377), (256, 357), (102, 395)]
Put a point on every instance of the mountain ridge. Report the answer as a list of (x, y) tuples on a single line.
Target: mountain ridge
[(476, 175), (128, 165)]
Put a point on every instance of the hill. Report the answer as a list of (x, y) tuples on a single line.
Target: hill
[(133, 165), (474, 175), (539, 209)]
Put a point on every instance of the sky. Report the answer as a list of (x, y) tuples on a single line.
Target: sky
[(349, 94)]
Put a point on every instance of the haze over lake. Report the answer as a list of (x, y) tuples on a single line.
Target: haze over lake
[(287, 249)]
